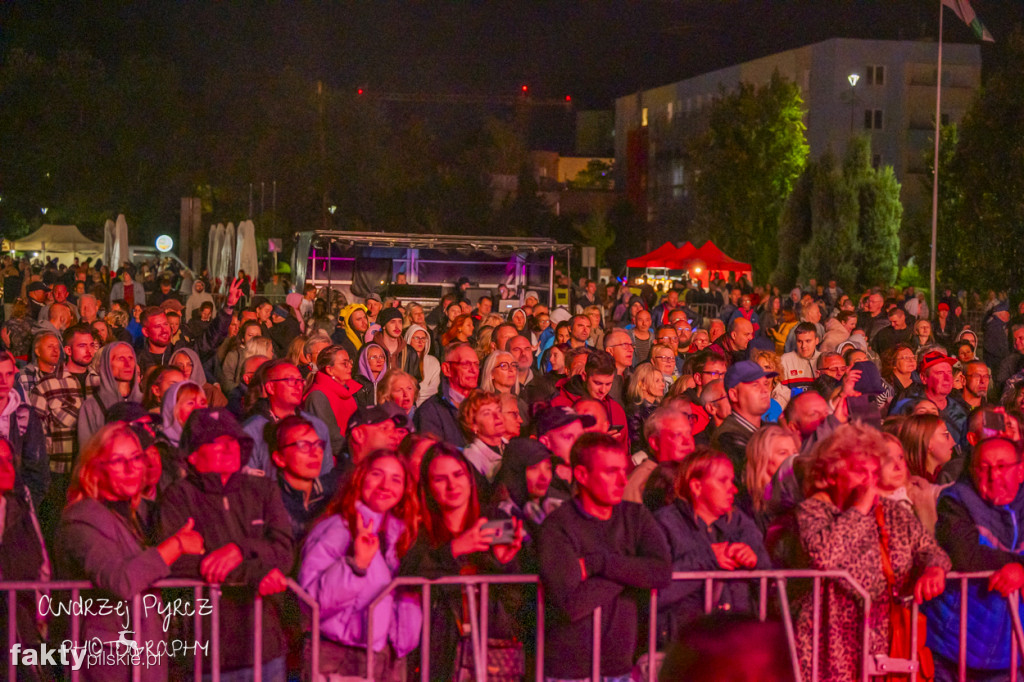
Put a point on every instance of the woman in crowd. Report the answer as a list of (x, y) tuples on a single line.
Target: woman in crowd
[(843, 524), (20, 532), (518, 318), (350, 556), (524, 484), (156, 383), (461, 331), (898, 366), (411, 450), (482, 422), (664, 359), (428, 368), (373, 364), (767, 449), (769, 361), (333, 395), (499, 373), (231, 367), (922, 334), (400, 388), (453, 541), (187, 360), (512, 409), (483, 341), (699, 340), (706, 532), (643, 396), (179, 402), (927, 446), (104, 538)]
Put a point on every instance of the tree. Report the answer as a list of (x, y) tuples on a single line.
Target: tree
[(981, 219), (597, 232), (597, 175), (847, 219), (745, 166)]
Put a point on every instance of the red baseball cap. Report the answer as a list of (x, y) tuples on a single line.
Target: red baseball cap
[(932, 358)]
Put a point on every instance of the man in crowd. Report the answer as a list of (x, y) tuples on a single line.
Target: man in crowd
[(732, 347), (898, 331), (558, 428), (246, 532), (873, 319), (619, 344), (118, 383), (298, 454), (88, 308), (522, 351), (669, 440), (596, 382), (749, 389), (936, 370), (439, 415), (714, 400), (977, 377), (373, 308), (978, 525), (594, 552), (372, 428), (579, 332), (281, 384), (1014, 362), (60, 295), (798, 366), (706, 367), (399, 355), (46, 349), (57, 401), (503, 333)]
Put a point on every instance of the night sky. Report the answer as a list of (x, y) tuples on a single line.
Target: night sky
[(593, 51)]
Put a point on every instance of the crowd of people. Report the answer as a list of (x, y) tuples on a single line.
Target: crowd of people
[(154, 423)]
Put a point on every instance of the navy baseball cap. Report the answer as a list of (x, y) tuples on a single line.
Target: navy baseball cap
[(745, 372)]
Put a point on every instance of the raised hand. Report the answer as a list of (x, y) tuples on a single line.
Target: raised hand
[(366, 543)]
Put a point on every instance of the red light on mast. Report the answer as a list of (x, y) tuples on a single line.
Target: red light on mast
[(359, 91), (524, 89)]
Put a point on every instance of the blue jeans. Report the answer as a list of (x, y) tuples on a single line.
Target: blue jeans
[(273, 671)]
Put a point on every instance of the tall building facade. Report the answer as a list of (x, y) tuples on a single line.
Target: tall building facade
[(891, 99)]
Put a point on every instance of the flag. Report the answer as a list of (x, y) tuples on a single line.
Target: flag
[(963, 9)]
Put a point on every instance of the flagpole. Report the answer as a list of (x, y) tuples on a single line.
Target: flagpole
[(935, 161)]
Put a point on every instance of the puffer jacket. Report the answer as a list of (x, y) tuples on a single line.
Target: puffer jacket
[(978, 537), (344, 594)]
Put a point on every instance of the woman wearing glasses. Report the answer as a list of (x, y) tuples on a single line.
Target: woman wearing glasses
[(104, 538), (499, 373)]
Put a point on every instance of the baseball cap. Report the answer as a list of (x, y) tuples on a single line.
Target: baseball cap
[(745, 372), (374, 297), (172, 304), (932, 358), (943, 306), (368, 415), (37, 286), (557, 417), (531, 293), (206, 425)]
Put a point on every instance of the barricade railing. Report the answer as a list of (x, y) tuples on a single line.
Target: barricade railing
[(136, 644), (1016, 637), (478, 622)]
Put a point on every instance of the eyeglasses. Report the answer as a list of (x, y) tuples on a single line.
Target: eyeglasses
[(471, 363), (344, 363), (504, 366), (666, 358), (126, 463), (616, 345), (306, 446), (712, 374), (289, 380)]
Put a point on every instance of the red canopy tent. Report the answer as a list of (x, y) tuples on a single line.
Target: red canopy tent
[(655, 258), (715, 261)]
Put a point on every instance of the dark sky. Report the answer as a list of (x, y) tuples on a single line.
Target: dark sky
[(594, 50)]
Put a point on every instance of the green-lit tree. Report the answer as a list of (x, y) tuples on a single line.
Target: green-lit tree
[(981, 188), (745, 166)]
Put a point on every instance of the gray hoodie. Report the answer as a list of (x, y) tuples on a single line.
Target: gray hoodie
[(431, 367), (93, 415)]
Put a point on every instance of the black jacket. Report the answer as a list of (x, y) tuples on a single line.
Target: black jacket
[(625, 557), (247, 510)]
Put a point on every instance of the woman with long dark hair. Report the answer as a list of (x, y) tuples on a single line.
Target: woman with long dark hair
[(351, 555), (454, 541)]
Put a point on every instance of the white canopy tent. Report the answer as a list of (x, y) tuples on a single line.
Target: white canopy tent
[(63, 242), (119, 252), (245, 251), (108, 241), (226, 266)]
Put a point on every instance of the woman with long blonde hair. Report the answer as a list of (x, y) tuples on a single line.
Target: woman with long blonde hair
[(103, 537)]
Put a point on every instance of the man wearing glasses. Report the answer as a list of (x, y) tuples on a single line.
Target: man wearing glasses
[(281, 383), (439, 415), (298, 452)]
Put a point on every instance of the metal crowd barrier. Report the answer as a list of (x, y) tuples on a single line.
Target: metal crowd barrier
[(12, 588), (780, 578)]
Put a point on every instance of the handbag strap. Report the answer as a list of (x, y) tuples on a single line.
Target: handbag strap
[(883, 532)]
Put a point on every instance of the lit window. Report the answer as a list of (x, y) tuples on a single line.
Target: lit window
[(643, 116)]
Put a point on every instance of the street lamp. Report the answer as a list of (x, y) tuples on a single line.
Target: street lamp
[(853, 78)]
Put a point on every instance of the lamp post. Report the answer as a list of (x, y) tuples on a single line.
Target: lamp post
[(853, 78)]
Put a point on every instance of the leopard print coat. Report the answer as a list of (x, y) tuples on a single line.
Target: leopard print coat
[(849, 541)]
